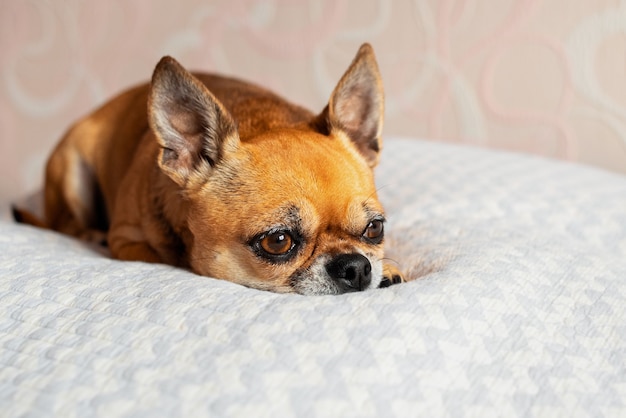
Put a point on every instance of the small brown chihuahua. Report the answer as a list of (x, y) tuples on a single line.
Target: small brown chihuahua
[(230, 180)]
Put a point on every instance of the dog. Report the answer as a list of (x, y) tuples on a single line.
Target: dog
[(231, 181)]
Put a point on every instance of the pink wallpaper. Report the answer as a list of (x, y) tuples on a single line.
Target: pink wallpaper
[(544, 77)]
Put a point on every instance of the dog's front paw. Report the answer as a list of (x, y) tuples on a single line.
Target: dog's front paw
[(391, 275), (94, 236)]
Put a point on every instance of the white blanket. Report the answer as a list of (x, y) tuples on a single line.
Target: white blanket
[(519, 310)]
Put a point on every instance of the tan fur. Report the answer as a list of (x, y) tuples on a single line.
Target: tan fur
[(189, 169)]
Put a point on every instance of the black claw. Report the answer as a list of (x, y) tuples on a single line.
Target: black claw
[(385, 282)]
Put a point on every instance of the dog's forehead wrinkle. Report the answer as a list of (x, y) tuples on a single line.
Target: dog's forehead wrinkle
[(285, 216), (372, 209)]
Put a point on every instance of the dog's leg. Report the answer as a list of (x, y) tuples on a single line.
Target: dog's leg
[(133, 251), (73, 202), (391, 275)]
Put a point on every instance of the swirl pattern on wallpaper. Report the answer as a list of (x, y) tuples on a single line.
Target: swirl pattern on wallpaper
[(538, 76)]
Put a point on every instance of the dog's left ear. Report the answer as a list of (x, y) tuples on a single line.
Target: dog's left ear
[(356, 106), (192, 127)]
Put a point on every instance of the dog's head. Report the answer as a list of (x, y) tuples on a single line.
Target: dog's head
[(289, 209)]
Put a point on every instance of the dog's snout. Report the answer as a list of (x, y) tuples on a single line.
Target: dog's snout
[(353, 272)]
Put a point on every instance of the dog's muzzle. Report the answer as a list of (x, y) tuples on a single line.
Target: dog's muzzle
[(351, 272)]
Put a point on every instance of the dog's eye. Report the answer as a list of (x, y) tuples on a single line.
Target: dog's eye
[(277, 243), (375, 231)]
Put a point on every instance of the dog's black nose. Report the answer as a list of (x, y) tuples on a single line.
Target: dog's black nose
[(353, 272)]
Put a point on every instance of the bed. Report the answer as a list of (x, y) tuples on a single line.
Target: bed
[(517, 308)]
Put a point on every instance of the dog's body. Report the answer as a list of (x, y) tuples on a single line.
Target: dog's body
[(230, 180)]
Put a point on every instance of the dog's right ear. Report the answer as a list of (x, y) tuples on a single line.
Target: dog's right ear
[(192, 127), (356, 106)]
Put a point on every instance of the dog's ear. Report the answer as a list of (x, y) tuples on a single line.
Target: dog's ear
[(192, 127), (356, 106)]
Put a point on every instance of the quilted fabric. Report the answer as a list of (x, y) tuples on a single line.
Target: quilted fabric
[(519, 309)]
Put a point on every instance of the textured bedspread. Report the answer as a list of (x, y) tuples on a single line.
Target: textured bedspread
[(519, 310)]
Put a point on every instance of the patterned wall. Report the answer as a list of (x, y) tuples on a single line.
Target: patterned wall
[(546, 77)]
